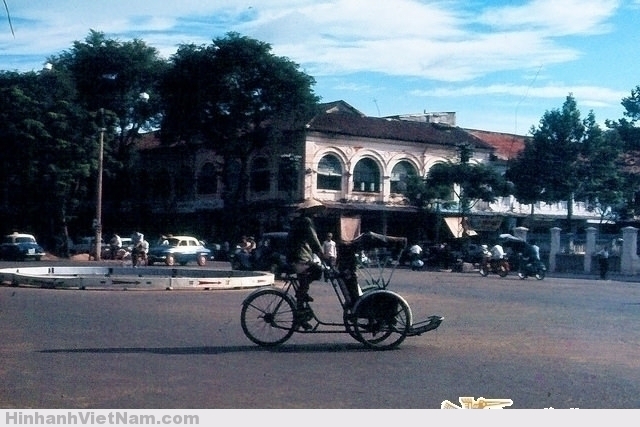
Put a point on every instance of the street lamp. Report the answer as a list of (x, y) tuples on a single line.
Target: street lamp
[(144, 97), (98, 223)]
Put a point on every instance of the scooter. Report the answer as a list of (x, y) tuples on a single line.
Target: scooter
[(497, 266), (534, 269)]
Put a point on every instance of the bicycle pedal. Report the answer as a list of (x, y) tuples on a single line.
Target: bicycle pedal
[(305, 325)]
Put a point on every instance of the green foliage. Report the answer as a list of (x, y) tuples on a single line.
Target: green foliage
[(463, 180), (45, 163), (237, 97), (569, 158)]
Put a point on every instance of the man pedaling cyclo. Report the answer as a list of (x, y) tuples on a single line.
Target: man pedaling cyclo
[(302, 244)]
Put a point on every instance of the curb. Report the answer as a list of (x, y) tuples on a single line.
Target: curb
[(126, 278)]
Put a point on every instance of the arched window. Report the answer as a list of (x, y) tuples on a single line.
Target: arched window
[(366, 176), (184, 183), (288, 173), (207, 179), (260, 175), (401, 172), (329, 173)]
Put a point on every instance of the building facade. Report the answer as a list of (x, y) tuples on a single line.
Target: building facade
[(357, 166)]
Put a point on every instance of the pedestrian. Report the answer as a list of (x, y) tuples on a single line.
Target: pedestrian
[(329, 250), (115, 246), (603, 261), (415, 257)]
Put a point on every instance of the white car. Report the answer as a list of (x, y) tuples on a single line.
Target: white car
[(20, 247), (179, 250)]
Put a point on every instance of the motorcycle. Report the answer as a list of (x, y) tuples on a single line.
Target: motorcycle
[(532, 269), (496, 266)]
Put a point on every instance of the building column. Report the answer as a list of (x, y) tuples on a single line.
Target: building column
[(629, 262), (554, 249), (590, 248)]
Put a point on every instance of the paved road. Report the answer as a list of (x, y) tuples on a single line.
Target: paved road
[(559, 343)]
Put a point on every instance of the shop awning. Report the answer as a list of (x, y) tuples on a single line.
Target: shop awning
[(459, 227)]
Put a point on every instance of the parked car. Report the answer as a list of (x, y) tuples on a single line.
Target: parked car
[(179, 250), (20, 247), (217, 253), (85, 245), (269, 255)]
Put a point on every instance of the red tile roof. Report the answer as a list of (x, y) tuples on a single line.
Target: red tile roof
[(507, 145)]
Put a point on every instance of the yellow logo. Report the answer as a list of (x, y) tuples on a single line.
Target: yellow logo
[(481, 403)]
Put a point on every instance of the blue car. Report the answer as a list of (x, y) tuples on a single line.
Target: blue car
[(179, 250), (20, 247)]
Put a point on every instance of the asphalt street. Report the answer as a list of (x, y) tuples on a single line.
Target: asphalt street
[(563, 342)]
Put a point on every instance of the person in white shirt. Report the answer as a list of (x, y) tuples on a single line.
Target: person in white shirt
[(415, 256), (329, 250), (497, 252)]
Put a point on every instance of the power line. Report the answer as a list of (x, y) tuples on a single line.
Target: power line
[(525, 96)]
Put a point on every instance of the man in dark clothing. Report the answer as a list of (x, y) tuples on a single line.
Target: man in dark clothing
[(603, 261), (302, 244)]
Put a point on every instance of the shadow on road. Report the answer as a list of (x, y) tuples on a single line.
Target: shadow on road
[(292, 348)]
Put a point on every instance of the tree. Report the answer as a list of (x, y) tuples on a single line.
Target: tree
[(47, 158), (567, 159), (121, 79), (629, 136), (601, 181), (236, 97), (458, 180), (470, 182), (547, 169)]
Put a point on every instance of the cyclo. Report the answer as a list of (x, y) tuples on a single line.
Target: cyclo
[(371, 314)]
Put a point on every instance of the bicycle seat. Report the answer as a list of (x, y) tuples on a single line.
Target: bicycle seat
[(288, 269)]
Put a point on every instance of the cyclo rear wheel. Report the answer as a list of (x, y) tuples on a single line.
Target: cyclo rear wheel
[(268, 317), (381, 320)]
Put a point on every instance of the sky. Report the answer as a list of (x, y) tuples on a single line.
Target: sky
[(499, 65)]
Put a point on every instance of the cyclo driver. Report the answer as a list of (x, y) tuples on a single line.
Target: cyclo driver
[(302, 244)]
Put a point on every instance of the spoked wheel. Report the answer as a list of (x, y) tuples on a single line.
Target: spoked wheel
[(540, 274), (350, 324), (268, 317), (381, 320)]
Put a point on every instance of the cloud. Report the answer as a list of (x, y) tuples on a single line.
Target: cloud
[(591, 96), (442, 41), (554, 18), (437, 40)]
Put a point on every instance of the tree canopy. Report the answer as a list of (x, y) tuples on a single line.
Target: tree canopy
[(235, 96), (569, 158), (461, 180)]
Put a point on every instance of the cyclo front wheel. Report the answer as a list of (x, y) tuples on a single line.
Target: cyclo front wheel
[(381, 320), (268, 317)]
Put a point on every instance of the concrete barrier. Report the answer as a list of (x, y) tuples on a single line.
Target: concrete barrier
[(133, 278)]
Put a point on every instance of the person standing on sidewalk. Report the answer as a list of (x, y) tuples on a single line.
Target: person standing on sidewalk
[(603, 261), (329, 250)]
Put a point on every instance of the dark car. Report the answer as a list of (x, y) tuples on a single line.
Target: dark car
[(179, 250), (269, 254), (20, 247)]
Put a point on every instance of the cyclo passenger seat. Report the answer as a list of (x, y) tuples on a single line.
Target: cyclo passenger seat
[(345, 274)]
